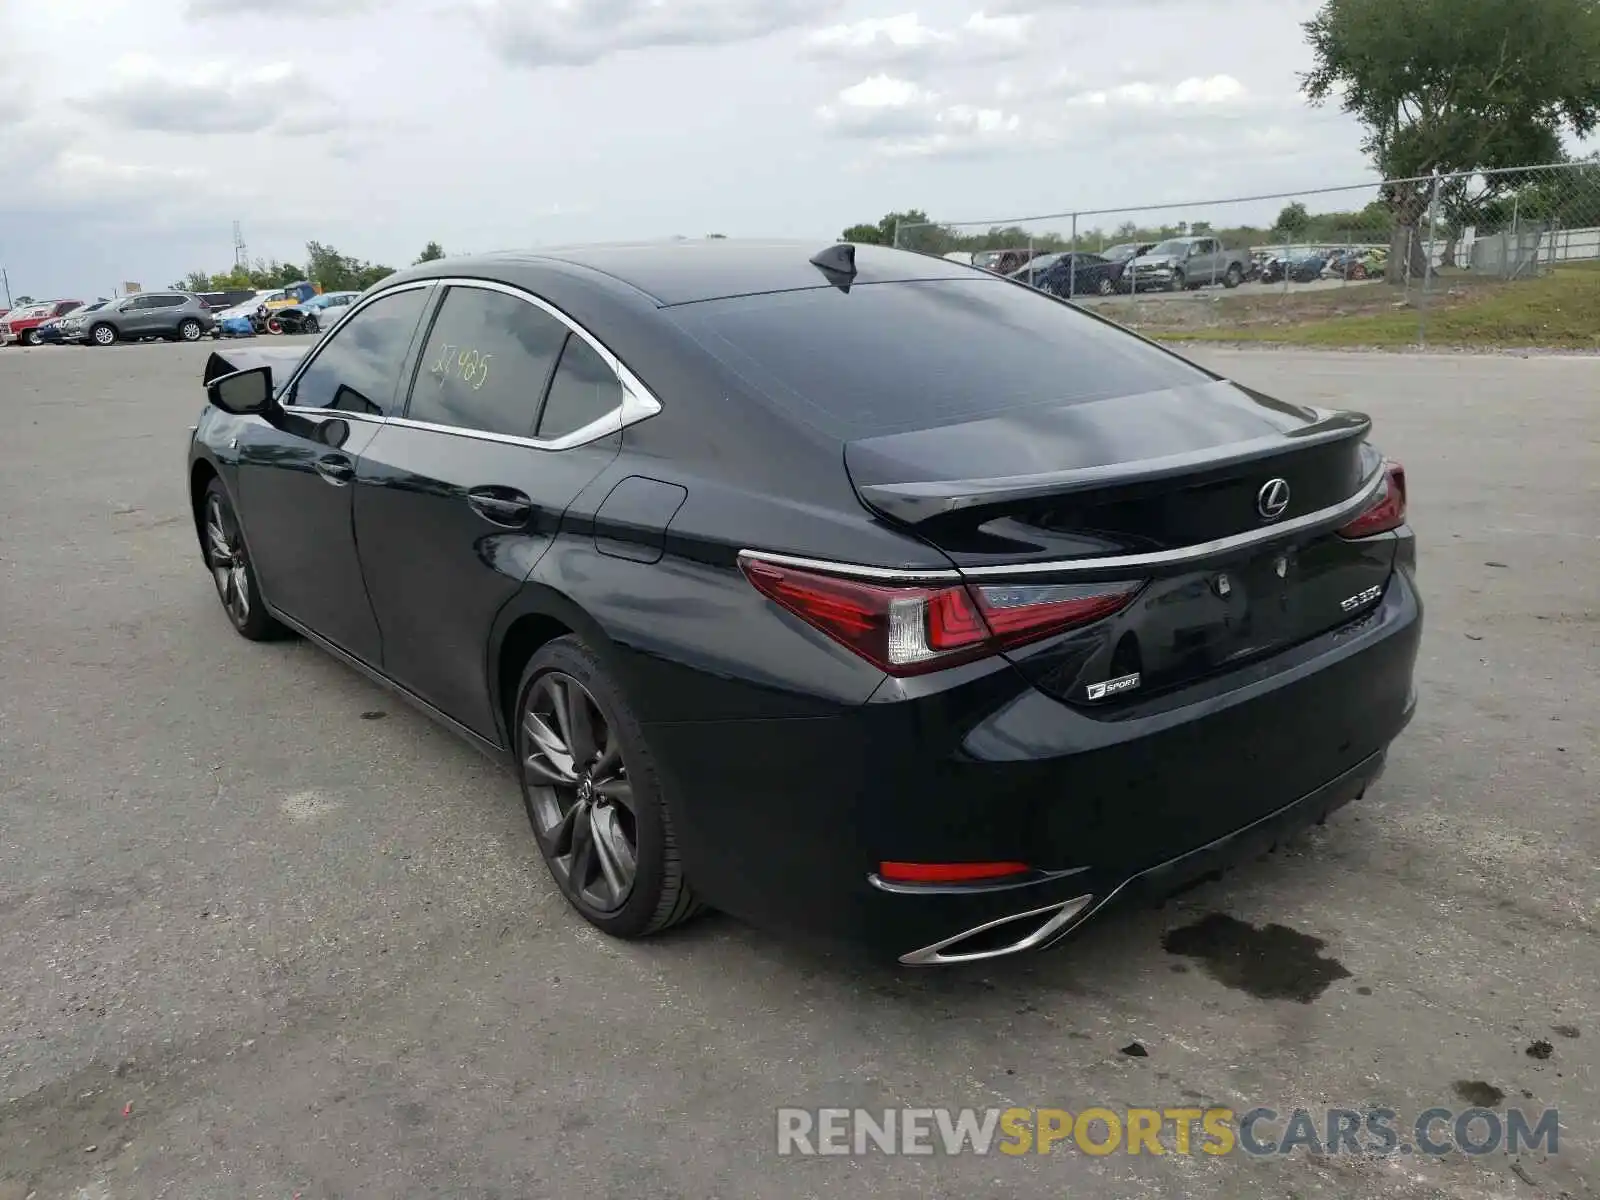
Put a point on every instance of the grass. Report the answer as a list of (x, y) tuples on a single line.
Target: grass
[(1559, 310)]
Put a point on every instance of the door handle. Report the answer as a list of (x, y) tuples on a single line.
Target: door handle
[(501, 506), (336, 469)]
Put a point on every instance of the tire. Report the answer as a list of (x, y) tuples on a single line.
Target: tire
[(30, 337), (1106, 286), (231, 570), (312, 325), (102, 335), (587, 818), (190, 330), (1233, 278), (1180, 282), (274, 325)]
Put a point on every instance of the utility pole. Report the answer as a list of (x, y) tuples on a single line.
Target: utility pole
[(240, 258), (7, 281)]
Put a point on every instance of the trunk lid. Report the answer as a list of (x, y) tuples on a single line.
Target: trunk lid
[(1222, 501)]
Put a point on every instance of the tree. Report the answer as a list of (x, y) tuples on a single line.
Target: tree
[(432, 252), (1455, 86), (1292, 221), (912, 226)]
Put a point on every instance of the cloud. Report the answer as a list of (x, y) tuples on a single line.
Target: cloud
[(544, 33), (217, 98), (905, 40), (902, 119), (1207, 91), (298, 10)]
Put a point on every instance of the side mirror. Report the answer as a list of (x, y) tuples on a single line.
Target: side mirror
[(243, 393)]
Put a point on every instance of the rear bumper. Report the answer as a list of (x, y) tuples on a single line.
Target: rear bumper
[(784, 822)]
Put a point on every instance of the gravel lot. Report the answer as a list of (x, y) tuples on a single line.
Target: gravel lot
[(267, 932)]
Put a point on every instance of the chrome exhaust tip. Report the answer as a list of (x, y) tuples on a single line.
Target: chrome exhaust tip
[(1033, 929)]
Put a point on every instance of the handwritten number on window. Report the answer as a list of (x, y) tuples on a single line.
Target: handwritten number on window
[(466, 363)]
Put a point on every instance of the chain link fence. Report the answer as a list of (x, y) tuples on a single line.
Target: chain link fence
[(1437, 241)]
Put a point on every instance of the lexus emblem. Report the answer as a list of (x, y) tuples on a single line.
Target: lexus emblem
[(1272, 499)]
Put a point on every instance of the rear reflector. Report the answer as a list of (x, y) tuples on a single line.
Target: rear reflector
[(1388, 508), (967, 872), (913, 630)]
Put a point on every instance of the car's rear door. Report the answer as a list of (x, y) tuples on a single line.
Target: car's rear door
[(511, 413), (295, 473)]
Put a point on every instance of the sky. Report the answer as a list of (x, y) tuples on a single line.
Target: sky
[(134, 134)]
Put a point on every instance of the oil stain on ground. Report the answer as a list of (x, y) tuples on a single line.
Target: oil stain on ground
[(1273, 962), (1478, 1093)]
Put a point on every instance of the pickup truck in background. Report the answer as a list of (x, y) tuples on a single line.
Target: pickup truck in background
[(1189, 262)]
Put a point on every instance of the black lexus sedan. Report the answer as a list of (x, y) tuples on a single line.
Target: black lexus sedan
[(848, 590)]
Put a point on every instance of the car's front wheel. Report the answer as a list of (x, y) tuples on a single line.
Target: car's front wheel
[(1106, 285), (30, 337), (231, 570), (593, 795), (1234, 277), (103, 335), (190, 330)]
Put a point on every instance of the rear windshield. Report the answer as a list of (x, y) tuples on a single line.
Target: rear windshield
[(884, 358)]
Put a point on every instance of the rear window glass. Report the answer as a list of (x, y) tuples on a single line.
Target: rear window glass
[(884, 358)]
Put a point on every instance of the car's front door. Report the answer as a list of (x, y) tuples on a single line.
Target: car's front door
[(137, 316), (511, 415), (295, 473)]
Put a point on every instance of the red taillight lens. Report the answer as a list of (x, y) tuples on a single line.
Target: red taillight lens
[(1388, 508), (965, 872), (912, 630)]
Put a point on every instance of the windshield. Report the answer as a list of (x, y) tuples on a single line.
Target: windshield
[(1124, 250), (1170, 249), (1043, 263)]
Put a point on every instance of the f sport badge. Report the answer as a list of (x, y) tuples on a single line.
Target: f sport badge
[(1122, 683)]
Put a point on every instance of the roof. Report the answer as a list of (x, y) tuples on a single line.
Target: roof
[(684, 272)]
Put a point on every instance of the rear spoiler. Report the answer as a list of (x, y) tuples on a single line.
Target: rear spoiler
[(923, 500)]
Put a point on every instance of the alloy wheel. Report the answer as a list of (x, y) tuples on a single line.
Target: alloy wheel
[(226, 558), (581, 797), (190, 331), (104, 335)]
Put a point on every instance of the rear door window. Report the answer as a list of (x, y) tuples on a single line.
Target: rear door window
[(486, 363), (584, 389), (357, 369), (885, 358)]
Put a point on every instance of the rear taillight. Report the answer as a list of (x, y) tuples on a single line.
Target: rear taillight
[(1388, 508), (915, 629)]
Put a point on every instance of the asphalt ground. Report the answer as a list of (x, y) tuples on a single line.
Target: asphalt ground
[(264, 931)]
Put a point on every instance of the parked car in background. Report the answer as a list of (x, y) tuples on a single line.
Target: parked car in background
[(1071, 274), (312, 316), (176, 316), (1003, 262), (964, 257), (217, 301), (1189, 262), (1357, 264), (22, 325), (245, 319), (285, 297), (73, 327)]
